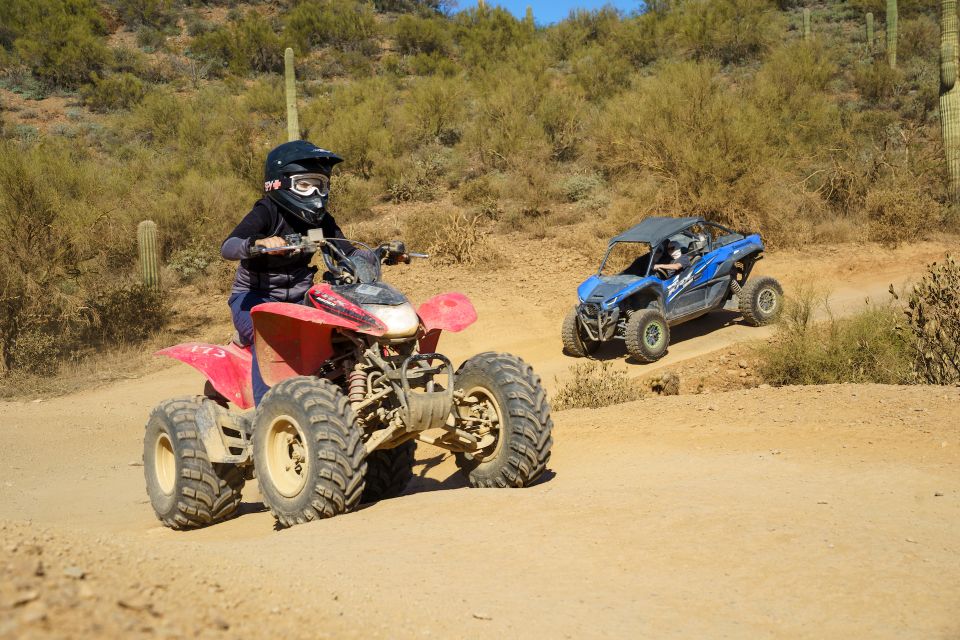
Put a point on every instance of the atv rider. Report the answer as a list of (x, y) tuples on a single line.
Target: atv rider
[(297, 185), (678, 264)]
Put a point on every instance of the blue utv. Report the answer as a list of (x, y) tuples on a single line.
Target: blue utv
[(660, 273)]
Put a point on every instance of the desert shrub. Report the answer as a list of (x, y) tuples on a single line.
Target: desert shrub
[(153, 13), (900, 208), (876, 81), (112, 92), (37, 352), (432, 64), (248, 44), (600, 72), (689, 128), (917, 37), (125, 312), (580, 187), (592, 385), (449, 236), (351, 198), (863, 347), (416, 34), (933, 324), (193, 260), (581, 28), (485, 35), (505, 131), (64, 51), (727, 30), (266, 96), (150, 39), (156, 118), (562, 114), (349, 25), (435, 106)]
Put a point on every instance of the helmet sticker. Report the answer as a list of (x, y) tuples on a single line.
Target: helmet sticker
[(271, 185)]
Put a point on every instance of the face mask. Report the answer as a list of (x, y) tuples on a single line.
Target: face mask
[(675, 254)]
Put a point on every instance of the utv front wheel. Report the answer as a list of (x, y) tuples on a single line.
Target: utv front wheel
[(575, 343), (506, 408), (389, 471), (761, 301), (647, 335), (308, 452), (186, 490)]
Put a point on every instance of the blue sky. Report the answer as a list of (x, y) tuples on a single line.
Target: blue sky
[(547, 12)]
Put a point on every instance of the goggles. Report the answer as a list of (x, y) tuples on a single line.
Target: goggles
[(309, 184)]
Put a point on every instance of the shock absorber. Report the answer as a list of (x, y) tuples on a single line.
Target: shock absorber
[(735, 286), (356, 385)]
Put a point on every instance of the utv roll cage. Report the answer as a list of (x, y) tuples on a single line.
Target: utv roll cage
[(653, 231)]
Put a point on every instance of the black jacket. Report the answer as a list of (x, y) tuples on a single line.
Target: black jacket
[(285, 277)]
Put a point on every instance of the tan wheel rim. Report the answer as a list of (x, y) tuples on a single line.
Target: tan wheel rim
[(487, 407), (165, 464), (287, 463)]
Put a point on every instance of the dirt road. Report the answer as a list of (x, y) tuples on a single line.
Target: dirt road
[(793, 512)]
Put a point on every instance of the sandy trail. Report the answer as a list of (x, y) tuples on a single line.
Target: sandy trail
[(794, 512)]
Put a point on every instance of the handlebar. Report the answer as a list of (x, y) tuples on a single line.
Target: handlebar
[(336, 261)]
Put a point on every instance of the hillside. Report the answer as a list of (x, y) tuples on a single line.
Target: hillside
[(460, 131)]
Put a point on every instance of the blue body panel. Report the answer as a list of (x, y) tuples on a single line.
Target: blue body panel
[(710, 274)]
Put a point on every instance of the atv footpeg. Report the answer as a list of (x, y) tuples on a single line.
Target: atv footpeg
[(427, 409)]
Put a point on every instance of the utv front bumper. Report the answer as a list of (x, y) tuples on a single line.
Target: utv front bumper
[(598, 324)]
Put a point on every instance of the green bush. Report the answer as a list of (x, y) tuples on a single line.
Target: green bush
[(864, 347), (417, 34), (726, 30), (65, 52), (349, 25), (245, 45), (112, 92), (151, 13)]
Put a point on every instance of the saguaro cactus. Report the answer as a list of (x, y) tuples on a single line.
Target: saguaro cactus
[(870, 30), (149, 261), (806, 24), (950, 93), (293, 120), (892, 33)]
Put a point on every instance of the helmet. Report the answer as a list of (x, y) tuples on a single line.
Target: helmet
[(297, 178)]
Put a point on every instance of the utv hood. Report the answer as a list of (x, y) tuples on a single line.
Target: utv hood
[(607, 291)]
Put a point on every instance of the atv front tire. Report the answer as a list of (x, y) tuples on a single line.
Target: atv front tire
[(308, 452), (647, 335), (186, 489), (761, 301), (507, 395), (574, 342), (389, 471)]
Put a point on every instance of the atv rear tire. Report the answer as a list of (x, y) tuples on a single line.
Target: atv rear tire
[(507, 390), (761, 301), (647, 335), (389, 471), (308, 452), (186, 489), (574, 343)]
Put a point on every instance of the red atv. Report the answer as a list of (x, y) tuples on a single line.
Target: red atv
[(355, 382)]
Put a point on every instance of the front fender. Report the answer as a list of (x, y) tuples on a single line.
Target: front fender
[(445, 312), (293, 339), (227, 368)]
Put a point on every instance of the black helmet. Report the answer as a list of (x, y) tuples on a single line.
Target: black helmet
[(305, 198)]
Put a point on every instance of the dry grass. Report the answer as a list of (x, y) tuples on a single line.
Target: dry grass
[(593, 384)]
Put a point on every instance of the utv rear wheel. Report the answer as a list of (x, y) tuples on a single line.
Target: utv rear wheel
[(308, 452), (186, 490), (647, 335), (506, 407), (575, 343), (389, 471), (761, 301)]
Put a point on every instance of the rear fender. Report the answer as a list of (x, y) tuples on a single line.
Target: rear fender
[(446, 312), (227, 368), (295, 340)]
